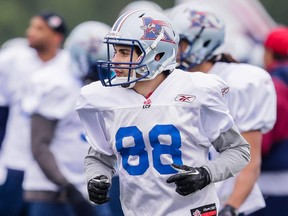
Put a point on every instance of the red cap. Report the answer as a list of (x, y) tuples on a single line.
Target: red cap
[(277, 40)]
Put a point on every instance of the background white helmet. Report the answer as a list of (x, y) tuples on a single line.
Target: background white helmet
[(85, 45), (153, 34), (136, 5), (196, 23), (247, 24)]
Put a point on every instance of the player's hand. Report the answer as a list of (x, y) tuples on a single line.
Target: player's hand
[(98, 189), (228, 210), (189, 179)]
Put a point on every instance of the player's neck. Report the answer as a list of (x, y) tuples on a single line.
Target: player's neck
[(47, 54), (203, 67), (146, 87)]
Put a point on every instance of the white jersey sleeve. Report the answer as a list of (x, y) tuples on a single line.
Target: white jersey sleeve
[(214, 115), (252, 96), (91, 122), (252, 103), (6, 60), (47, 96)]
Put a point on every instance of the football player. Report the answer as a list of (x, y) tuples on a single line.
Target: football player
[(272, 180), (158, 123), (45, 35), (55, 181), (251, 100)]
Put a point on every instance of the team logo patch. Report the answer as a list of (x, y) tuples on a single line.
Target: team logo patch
[(147, 104), (152, 28), (185, 98), (204, 19), (207, 210)]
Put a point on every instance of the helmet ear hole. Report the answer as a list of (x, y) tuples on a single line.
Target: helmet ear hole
[(159, 56), (206, 43)]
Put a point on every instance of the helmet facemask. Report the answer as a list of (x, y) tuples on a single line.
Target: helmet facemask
[(136, 70), (196, 52)]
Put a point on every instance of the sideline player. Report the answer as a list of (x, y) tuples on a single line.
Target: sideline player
[(251, 100), (274, 175), (45, 35), (55, 181), (13, 43), (158, 123)]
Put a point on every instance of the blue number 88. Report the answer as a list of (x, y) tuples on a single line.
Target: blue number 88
[(158, 148)]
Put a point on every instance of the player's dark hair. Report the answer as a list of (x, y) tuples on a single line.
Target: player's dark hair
[(138, 50), (223, 57)]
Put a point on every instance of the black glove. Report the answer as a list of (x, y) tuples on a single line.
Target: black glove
[(228, 210), (80, 205), (98, 189), (189, 179)]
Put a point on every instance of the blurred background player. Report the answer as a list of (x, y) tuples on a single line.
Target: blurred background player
[(254, 112), (85, 49), (274, 175), (55, 181), (45, 35), (4, 108), (132, 120), (243, 37)]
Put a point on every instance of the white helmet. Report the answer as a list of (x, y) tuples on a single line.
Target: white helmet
[(201, 28), (85, 45), (136, 5), (153, 34)]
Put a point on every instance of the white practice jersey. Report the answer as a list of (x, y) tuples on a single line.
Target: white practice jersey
[(53, 93), (176, 124), (252, 104), (16, 66), (252, 97)]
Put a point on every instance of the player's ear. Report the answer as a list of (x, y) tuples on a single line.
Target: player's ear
[(158, 56)]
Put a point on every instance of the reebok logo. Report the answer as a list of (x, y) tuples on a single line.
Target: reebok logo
[(185, 98), (224, 91)]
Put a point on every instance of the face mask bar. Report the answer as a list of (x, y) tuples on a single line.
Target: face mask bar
[(190, 58), (106, 69)]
